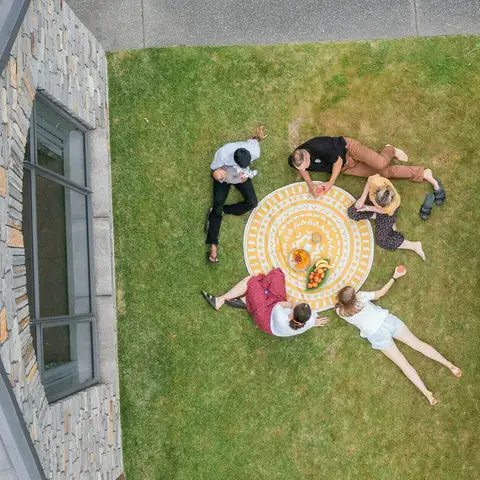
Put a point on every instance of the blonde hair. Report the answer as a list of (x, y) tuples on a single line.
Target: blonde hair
[(298, 158), (347, 302), (384, 196)]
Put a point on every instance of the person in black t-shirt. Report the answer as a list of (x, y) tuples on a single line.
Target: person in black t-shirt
[(343, 154)]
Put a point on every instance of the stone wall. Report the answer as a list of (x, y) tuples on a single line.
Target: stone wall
[(78, 437)]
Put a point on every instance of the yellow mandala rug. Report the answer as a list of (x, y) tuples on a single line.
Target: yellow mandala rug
[(290, 218)]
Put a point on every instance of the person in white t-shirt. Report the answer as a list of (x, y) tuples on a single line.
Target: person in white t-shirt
[(265, 298), (235, 159), (380, 327)]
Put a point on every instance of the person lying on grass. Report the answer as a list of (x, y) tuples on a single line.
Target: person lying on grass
[(380, 327), (266, 301), (231, 166), (380, 201), (337, 155)]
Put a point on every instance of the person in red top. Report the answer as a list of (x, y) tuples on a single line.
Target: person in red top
[(266, 301)]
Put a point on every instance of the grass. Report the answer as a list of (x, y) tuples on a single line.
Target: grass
[(207, 396)]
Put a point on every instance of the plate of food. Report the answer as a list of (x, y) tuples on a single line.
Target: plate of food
[(317, 274), (299, 259)]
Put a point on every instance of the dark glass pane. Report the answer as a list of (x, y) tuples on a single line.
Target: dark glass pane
[(67, 352), (52, 248), (56, 346), (64, 274), (27, 237), (60, 146), (49, 157)]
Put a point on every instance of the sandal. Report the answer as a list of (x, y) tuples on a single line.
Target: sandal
[(427, 205), (211, 261), (236, 303), (440, 194), (211, 300)]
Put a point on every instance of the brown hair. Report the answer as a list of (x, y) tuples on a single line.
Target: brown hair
[(384, 196), (298, 158), (347, 302), (301, 314)]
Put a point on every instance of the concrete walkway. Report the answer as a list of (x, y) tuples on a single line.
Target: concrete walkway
[(125, 24)]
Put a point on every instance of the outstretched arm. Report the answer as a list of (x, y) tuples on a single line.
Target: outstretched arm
[(396, 274), (336, 169), (306, 176)]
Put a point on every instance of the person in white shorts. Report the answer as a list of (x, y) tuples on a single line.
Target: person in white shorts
[(380, 327)]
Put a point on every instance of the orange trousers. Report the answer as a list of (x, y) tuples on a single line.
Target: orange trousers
[(362, 161)]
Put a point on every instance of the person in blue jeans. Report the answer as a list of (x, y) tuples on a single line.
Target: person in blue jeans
[(380, 328)]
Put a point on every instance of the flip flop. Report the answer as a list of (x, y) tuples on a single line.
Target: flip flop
[(210, 299), (211, 261), (427, 205), (440, 194), (236, 303)]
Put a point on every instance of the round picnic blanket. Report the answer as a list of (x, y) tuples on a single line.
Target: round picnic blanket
[(286, 220)]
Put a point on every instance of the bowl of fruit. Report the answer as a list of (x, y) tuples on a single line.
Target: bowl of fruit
[(299, 259), (317, 274)]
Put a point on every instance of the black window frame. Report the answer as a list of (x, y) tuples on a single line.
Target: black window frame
[(36, 321), (12, 13)]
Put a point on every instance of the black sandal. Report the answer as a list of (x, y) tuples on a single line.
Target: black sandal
[(211, 300), (211, 261), (440, 194), (236, 303), (427, 205)]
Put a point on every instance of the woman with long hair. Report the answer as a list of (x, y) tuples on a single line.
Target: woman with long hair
[(381, 202), (380, 328)]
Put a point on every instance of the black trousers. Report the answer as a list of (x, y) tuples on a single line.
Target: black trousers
[(220, 194)]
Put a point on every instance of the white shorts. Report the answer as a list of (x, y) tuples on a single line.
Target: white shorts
[(383, 337)]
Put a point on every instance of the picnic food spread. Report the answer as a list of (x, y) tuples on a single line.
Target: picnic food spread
[(317, 273), (299, 259)]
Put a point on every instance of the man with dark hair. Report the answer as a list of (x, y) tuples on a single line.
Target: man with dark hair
[(265, 298), (231, 166), (346, 155)]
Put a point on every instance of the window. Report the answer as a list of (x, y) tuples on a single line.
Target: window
[(57, 235)]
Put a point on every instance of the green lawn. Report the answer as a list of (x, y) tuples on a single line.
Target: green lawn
[(205, 395)]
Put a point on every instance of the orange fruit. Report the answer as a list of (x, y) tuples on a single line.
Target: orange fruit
[(309, 285), (314, 284), (310, 277), (316, 278)]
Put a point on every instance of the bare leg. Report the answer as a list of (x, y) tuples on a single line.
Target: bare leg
[(238, 290), (396, 356), (428, 176), (213, 253), (407, 337), (414, 246)]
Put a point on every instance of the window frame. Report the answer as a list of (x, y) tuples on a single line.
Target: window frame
[(11, 18), (36, 321)]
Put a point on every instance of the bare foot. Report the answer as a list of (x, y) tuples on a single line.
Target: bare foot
[(219, 301), (417, 248), (213, 253), (456, 371), (431, 399), (400, 155), (428, 176)]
